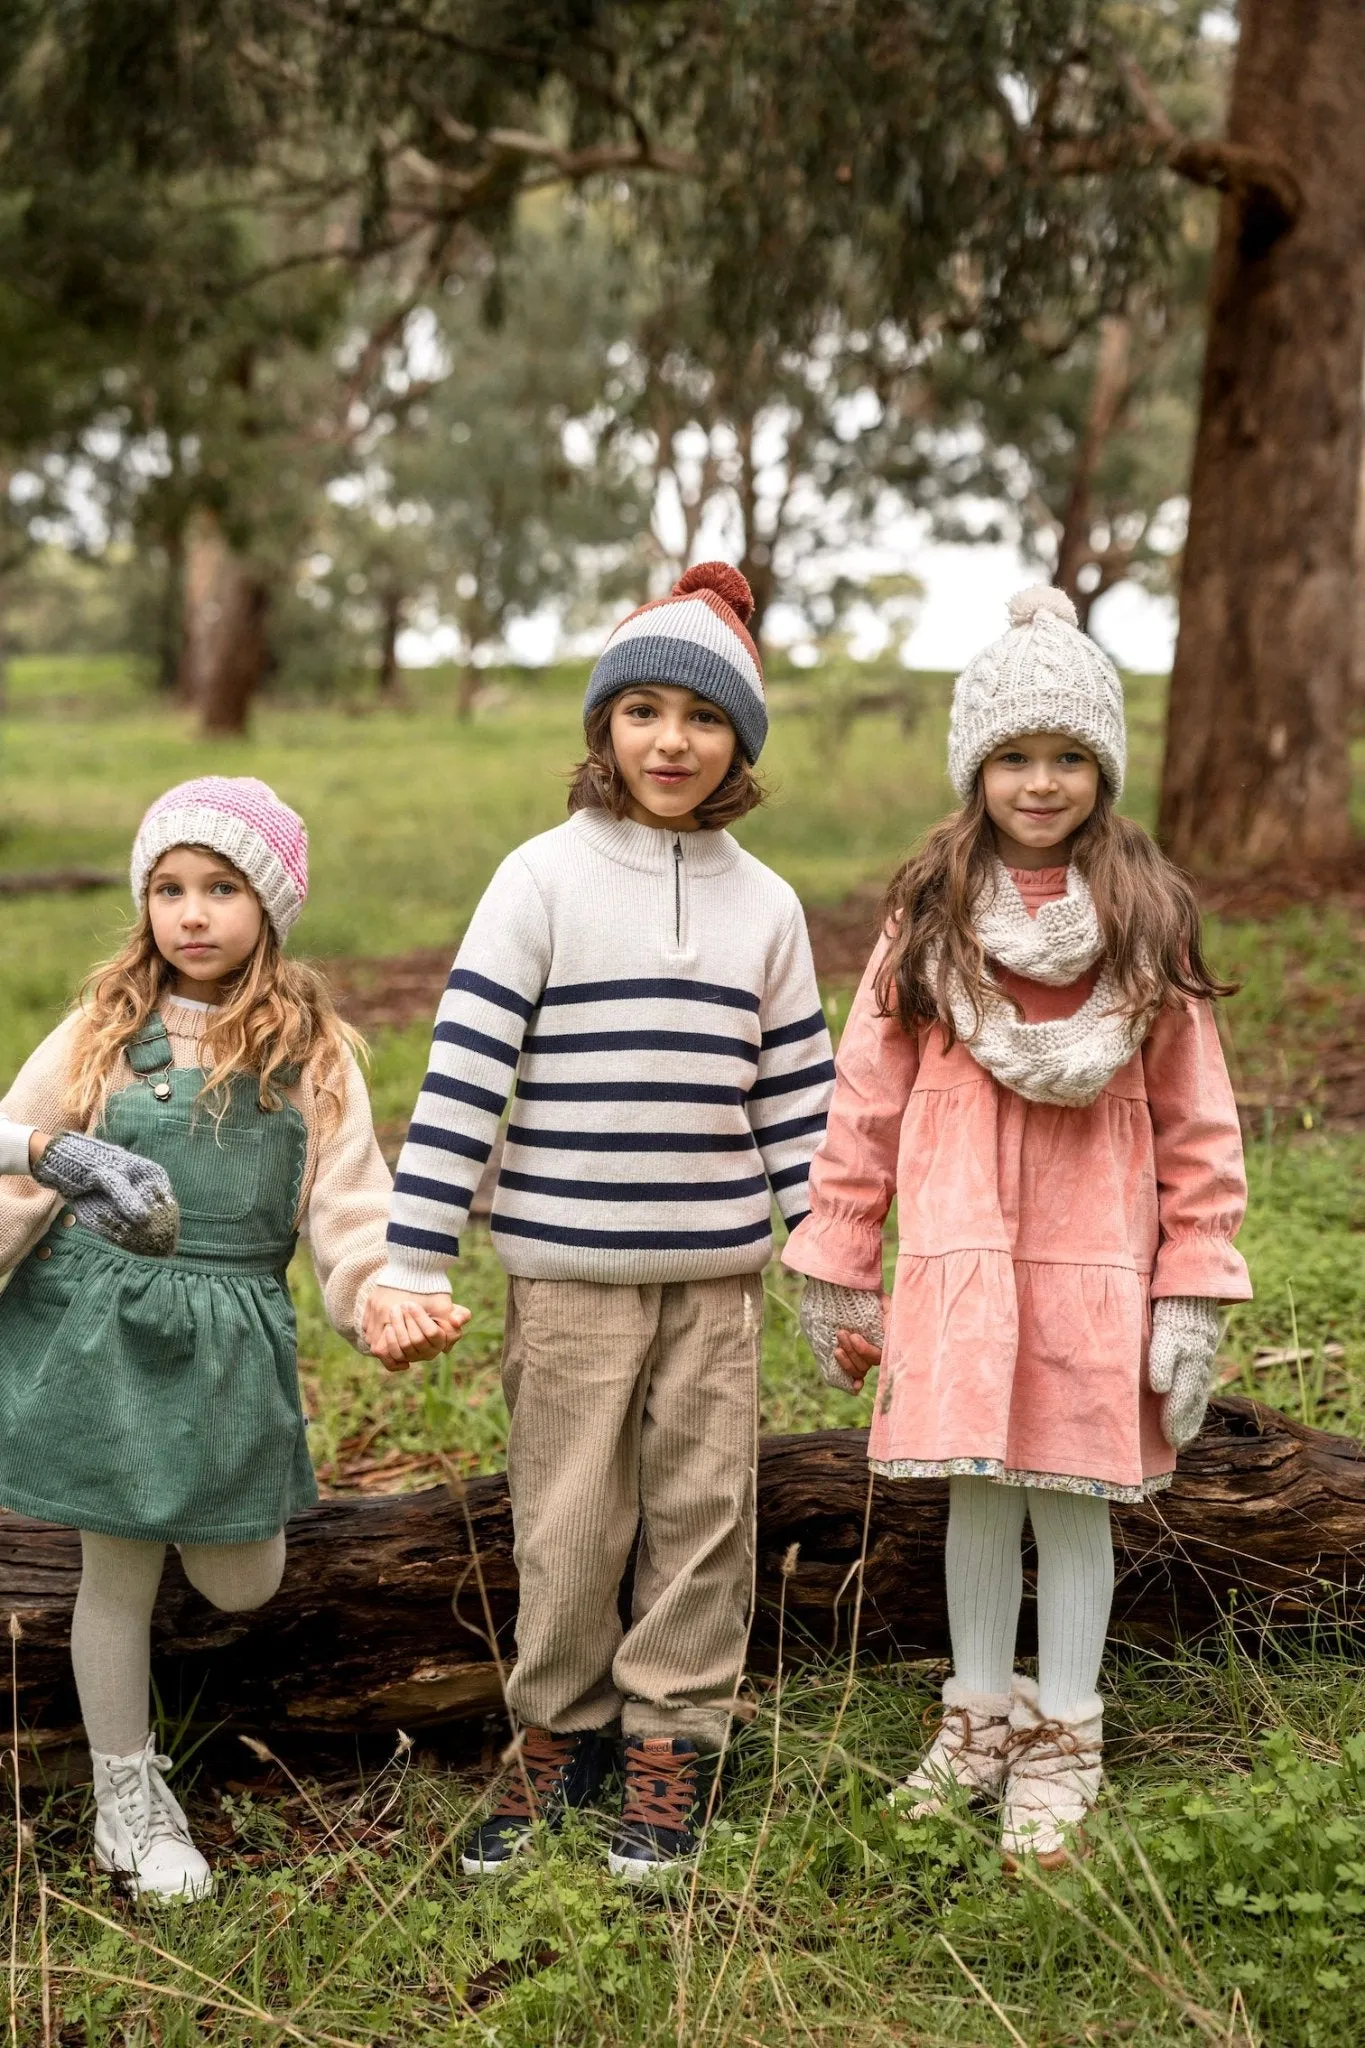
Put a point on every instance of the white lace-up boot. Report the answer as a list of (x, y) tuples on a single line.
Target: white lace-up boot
[(140, 1830), (1053, 1781), (966, 1755)]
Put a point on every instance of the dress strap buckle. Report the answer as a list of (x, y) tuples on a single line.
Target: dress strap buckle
[(150, 1056)]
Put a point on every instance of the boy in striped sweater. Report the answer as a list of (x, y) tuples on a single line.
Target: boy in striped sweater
[(646, 989)]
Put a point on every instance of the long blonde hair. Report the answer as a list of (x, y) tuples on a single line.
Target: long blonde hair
[(278, 1015), (1146, 907)]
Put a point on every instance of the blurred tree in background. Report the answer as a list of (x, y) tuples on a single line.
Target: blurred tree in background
[(350, 313)]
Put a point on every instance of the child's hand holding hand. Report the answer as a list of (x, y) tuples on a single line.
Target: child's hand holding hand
[(408, 1329), (845, 1328)]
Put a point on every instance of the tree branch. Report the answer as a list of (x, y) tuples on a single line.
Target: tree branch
[(1232, 167), (1225, 166)]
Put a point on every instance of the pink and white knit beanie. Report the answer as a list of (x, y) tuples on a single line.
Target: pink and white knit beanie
[(242, 819), (695, 639)]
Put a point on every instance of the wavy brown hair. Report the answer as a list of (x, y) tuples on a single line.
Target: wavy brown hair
[(1146, 907), (598, 784), (279, 1014)]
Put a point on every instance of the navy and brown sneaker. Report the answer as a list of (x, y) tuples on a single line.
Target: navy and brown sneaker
[(667, 1797), (551, 1774)]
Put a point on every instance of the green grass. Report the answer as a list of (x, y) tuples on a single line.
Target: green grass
[(1226, 1902)]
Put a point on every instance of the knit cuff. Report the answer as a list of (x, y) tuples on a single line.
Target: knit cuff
[(411, 1273)]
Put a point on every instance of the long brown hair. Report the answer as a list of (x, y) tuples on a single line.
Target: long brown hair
[(279, 1014), (1147, 912), (598, 784)]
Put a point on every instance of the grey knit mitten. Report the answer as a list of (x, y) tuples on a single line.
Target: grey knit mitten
[(116, 1193), (825, 1310), (1185, 1331)]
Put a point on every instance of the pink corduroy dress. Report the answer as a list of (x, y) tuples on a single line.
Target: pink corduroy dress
[(1032, 1239)]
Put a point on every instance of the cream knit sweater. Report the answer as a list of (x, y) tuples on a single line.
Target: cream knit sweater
[(648, 1000), (343, 1204)]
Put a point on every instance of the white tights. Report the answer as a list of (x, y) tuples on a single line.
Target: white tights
[(986, 1583), (111, 1629)]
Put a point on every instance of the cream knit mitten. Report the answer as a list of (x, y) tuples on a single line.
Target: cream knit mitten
[(827, 1309), (967, 1755), (1053, 1780), (1185, 1331)]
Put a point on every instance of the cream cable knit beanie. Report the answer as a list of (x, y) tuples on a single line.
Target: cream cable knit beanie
[(1044, 675)]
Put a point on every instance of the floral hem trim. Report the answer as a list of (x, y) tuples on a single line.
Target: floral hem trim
[(992, 1468)]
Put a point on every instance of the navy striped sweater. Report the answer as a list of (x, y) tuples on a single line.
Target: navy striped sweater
[(648, 998)]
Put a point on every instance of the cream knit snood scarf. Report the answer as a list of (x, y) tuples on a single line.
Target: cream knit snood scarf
[(1066, 1062)]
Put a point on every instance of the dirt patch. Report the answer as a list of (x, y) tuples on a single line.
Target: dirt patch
[(401, 989), (1255, 896), (843, 934)]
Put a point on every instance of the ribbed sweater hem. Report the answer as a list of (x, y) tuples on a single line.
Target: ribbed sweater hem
[(529, 1260)]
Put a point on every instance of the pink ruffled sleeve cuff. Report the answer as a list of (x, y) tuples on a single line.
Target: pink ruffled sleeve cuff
[(845, 1250), (1199, 1263)]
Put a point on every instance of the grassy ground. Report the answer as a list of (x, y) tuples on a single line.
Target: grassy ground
[(1227, 1900)]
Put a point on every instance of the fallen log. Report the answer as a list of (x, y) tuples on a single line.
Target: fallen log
[(58, 882), (397, 1611)]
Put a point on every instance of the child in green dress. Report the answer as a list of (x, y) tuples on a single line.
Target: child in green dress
[(150, 1400)]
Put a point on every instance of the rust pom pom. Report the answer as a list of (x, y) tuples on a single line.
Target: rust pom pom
[(725, 581)]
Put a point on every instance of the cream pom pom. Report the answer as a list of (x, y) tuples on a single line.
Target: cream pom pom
[(1025, 605)]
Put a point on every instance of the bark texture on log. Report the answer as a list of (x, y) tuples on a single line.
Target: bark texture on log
[(363, 1636), (1256, 768)]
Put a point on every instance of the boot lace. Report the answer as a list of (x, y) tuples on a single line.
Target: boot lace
[(661, 1789), (536, 1774), (145, 1806), (952, 1726), (1049, 1748)]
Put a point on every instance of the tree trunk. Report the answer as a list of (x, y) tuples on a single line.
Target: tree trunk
[(1108, 396), (361, 1635), (391, 625), (1357, 710), (226, 649), (170, 614), (1256, 768), (467, 692)]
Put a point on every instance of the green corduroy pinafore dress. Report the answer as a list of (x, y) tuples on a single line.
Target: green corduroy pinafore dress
[(159, 1398)]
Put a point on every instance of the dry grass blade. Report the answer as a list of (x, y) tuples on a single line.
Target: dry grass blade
[(984, 1995), (44, 1960), (684, 1971), (233, 2001), (765, 1824), (194, 1998)]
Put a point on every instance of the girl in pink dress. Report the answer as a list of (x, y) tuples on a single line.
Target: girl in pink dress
[(1031, 1069)]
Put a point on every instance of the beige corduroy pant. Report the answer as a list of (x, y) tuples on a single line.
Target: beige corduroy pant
[(634, 1410)]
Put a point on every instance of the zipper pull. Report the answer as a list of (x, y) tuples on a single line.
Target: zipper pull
[(677, 889)]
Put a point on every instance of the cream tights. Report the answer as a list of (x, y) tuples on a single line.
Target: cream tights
[(986, 1581), (111, 1630)]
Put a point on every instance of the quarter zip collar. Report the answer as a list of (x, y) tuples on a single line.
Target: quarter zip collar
[(649, 848)]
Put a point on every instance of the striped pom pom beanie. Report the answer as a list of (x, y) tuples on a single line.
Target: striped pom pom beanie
[(244, 821), (1044, 675), (696, 639)]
